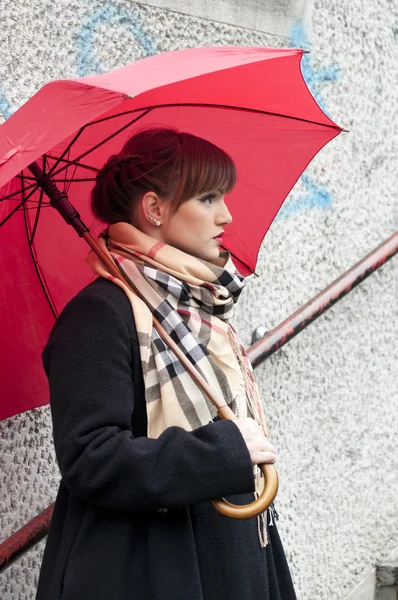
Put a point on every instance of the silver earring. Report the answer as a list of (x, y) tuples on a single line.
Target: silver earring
[(154, 221)]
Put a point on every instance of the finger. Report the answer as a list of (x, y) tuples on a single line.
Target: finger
[(264, 458), (265, 446)]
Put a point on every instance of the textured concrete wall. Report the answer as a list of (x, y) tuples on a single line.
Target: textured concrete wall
[(270, 16), (331, 395)]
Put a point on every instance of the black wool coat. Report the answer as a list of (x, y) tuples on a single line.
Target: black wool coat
[(133, 518)]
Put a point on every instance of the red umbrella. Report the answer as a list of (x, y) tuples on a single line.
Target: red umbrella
[(252, 102)]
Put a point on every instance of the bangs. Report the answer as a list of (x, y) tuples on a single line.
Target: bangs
[(203, 167)]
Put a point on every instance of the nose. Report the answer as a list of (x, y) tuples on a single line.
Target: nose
[(224, 217)]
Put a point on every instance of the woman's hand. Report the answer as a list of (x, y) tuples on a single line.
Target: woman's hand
[(261, 451)]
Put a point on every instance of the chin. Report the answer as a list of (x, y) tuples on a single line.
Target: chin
[(208, 256)]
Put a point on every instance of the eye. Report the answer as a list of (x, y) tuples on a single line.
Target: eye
[(208, 198)]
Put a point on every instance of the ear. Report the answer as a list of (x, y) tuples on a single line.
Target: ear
[(152, 205)]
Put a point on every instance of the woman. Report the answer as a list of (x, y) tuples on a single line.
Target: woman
[(140, 449)]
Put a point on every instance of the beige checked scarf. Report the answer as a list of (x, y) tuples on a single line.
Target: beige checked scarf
[(194, 301)]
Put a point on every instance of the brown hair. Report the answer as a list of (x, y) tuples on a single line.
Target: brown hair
[(174, 165)]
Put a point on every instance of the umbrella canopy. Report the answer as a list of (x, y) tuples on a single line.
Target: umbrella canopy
[(252, 102)]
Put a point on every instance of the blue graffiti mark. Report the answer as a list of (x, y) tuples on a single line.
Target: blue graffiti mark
[(316, 196), (5, 108), (88, 63), (314, 78)]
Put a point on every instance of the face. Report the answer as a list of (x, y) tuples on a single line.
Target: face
[(197, 226)]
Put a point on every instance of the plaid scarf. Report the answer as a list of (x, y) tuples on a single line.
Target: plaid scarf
[(193, 300)]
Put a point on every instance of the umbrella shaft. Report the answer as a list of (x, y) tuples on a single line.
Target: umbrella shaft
[(58, 200)]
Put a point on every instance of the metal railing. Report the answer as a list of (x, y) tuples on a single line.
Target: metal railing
[(36, 529), (299, 320)]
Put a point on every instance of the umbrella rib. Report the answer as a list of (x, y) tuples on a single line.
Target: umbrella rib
[(17, 192), (67, 167), (43, 206), (110, 137), (241, 109), (67, 180), (66, 187), (67, 149), (77, 159), (127, 112), (21, 204), (84, 166), (30, 235), (38, 206), (222, 106)]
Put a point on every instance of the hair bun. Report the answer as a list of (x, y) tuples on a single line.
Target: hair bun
[(111, 165)]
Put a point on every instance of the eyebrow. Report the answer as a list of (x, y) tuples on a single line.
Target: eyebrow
[(220, 192)]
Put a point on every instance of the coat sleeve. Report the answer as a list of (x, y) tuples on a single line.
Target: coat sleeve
[(88, 361)]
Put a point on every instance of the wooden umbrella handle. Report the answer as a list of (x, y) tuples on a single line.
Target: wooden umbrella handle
[(270, 475), (260, 505), (267, 496)]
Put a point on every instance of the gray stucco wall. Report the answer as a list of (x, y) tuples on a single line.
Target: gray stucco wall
[(331, 395)]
